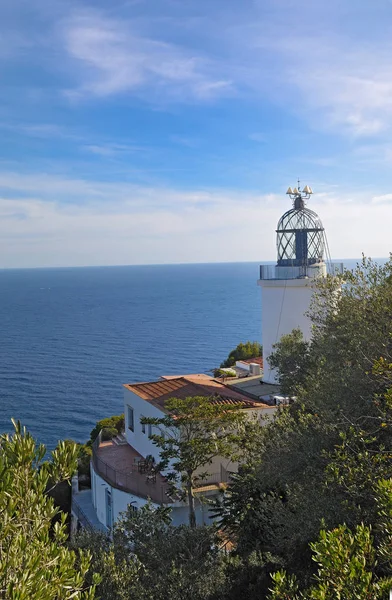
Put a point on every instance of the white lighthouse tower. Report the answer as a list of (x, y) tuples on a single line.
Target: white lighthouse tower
[(287, 286)]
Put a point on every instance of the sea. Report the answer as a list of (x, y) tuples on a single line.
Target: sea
[(70, 337)]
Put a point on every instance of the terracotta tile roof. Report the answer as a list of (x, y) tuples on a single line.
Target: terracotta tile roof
[(158, 392), (258, 360)]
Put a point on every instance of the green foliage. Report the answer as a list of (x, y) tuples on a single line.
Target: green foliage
[(118, 568), (243, 351), (346, 562), (197, 430), (178, 561), (346, 569), (34, 560), (323, 463), (149, 558), (84, 458), (248, 576), (285, 587), (292, 359), (317, 462), (225, 373), (110, 427), (84, 453)]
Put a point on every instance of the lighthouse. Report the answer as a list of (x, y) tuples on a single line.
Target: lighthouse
[(287, 287)]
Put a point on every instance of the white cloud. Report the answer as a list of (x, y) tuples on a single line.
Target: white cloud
[(353, 90), (265, 50), (48, 220), (112, 149), (385, 198), (115, 58), (122, 224), (333, 81)]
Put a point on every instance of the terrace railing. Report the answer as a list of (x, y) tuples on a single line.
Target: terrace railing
[(146, 485), (131, 481), (293, 272)]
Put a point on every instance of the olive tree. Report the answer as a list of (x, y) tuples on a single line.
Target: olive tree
[(35, 562)]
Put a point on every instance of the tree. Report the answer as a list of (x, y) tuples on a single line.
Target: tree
[(149, 558), (194, 432), (346, 569), (119, 569), (35, 562), (320, 457), (291, 357), (177, 561), (242, 352)]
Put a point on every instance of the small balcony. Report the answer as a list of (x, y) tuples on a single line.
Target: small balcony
[(270, 272), (120, 467)]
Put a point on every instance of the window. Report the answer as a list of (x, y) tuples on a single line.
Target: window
[(130, 418), (149, 431), (143, 428), (109, 508)]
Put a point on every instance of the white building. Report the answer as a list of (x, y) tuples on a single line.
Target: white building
[(287, 287), (120, 474)]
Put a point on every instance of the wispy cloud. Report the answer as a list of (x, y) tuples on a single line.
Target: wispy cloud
[(115, 59), (108, 150), (170, 94), (40, 130), (332, 82), (353, 89), (119, 223)]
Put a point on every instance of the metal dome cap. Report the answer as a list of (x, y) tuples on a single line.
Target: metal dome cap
[(300, 235)]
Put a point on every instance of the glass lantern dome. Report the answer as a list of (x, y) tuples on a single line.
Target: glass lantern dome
[(300, 237)]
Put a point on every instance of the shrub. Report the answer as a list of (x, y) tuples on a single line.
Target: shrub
[(111, 426)]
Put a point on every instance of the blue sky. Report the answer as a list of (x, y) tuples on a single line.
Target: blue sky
[(154, 131)]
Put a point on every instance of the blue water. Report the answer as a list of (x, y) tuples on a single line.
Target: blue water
[(71, 337)]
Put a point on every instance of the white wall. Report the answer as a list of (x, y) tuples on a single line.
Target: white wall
[(284, 303), (242, 365), (263, 415), (120, 499), (137, 439), (180, 515), (141, 442)]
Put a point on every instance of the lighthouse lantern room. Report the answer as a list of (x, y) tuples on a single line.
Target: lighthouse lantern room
[(287, 289)]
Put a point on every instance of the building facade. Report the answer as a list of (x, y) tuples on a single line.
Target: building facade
[(122, 469)]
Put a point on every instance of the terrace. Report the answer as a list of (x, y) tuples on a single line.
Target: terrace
[(121, 467), (127, 470)]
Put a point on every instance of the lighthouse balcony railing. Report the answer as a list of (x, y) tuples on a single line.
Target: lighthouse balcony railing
[(296, 272)]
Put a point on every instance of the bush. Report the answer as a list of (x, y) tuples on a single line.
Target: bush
[(112, 426), (225, 373), (243, 351)]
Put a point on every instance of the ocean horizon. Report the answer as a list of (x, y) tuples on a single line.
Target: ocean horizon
[(71, 336)]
